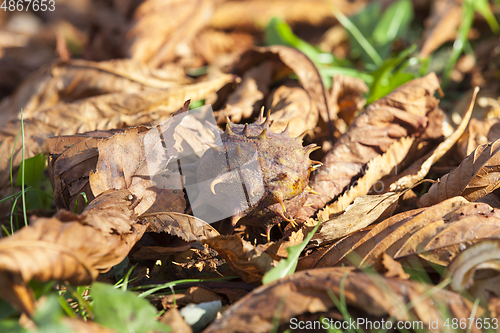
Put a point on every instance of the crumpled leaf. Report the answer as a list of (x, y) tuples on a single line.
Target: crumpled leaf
[(130, 160), (476, 269), (292, 106), (312, 291), (70, 161), (68, 247), (475, 177), (299, 63), (346, 99), (402, 113), (392, 268), (187, 227), (77, 79), (249, 95), (248, 261)]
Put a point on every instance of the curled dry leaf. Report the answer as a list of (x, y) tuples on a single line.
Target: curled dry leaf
[(187, 227), (77, 79), (130, 160), (346, 99), (119, 110), (312, 291), (249, 95), (400, 114), (172, 35), (292, 106), (474, 178), (442, 25), (248, 261), (476, 270), (299, 63), (71, 158), (67, 247)]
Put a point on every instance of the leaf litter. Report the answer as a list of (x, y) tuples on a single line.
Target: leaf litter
[(362, 233)]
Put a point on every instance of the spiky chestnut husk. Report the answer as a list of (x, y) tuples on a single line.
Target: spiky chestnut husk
[(272, 168)]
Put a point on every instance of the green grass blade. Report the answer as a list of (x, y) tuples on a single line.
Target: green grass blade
[(22, 172), (458, 45), (287, 266), (365, 44), (483, 7)]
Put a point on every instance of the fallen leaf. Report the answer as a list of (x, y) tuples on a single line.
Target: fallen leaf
[(71, 158), (68, 247), (292, 107), (77, 79), (313, 291), (248, 261), (476, 270), (130, 160), (187, 227), (299, 63), (249, 95), (171, 36), (424, 164), (392, 268), (400, 114), (346, 99), (475, 177), (173, 318)]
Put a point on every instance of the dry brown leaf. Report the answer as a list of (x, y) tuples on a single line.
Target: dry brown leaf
[(392, 268), (103, 112), (171, 35), (77, 79), (476, 270), (442, 25), (346, 99), (73, 248), (119, 110), (479, 132), (475, 177), (364, 211), (70, 161), (248, 261), (187, 227), (249, 95), (310, 292), (299, 63), (420, 168), (292, 107), (129, 161), (377, 168), (400, 114), (174, 319), (255, 14)]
